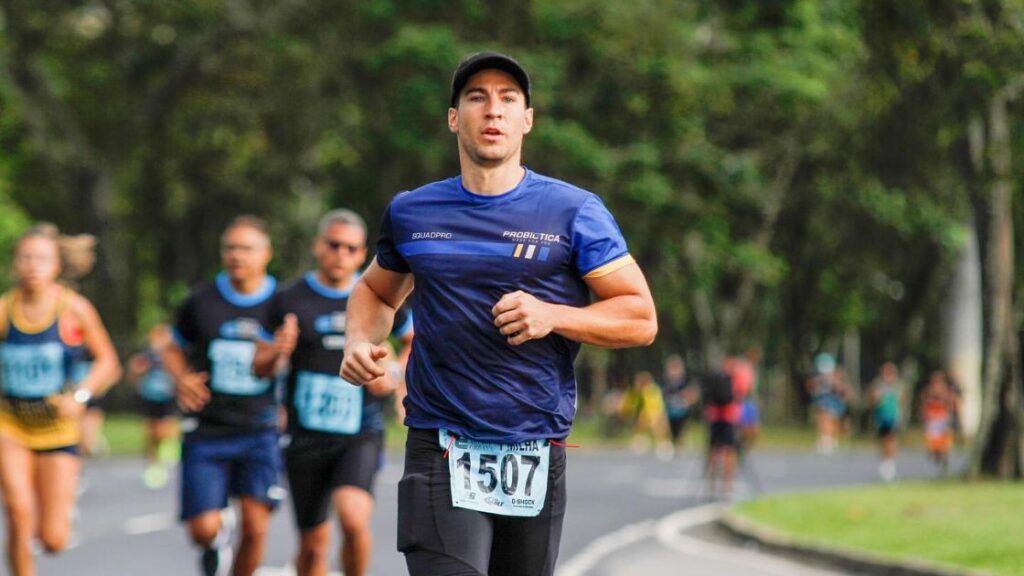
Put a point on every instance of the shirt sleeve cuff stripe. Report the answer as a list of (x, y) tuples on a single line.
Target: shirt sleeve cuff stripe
[(180, 340), (610, 267)]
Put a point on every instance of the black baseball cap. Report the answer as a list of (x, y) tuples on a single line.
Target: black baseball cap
[(486, 61)]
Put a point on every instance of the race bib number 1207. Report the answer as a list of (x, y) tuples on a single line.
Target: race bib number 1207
[(504, 479)]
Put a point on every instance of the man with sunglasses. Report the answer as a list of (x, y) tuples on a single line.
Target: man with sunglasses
[(336, 429), (229, 420), (504, 261)]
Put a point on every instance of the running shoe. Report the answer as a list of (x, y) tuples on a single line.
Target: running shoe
[(216, 559), (155, 476)]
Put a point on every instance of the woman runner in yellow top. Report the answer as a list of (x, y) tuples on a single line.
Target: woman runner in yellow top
[(44, 328)]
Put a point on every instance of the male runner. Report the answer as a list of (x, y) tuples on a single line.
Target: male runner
[(229, 418), (336, 428), (504, 261)]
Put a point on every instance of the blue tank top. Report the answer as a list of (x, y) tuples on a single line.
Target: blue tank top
[(35, 364), (156, 385)]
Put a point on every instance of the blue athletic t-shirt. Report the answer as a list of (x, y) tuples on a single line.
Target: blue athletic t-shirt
[(466, 251)]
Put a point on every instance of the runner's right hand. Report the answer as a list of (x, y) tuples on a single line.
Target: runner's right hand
[(192, 391), (361, 364), (286, 336)]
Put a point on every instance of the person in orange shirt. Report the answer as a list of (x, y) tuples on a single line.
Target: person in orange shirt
[(938, 405)]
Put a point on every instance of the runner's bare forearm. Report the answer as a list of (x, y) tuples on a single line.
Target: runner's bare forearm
[(373, 303), (369, 318), (617, 322), (622, 316)]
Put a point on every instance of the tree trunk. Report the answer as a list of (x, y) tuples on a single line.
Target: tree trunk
[(997, 451), (963, 341)]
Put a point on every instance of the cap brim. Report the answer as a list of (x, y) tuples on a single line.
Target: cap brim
[(489, 62)]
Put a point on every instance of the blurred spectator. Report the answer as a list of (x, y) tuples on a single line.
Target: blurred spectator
[(612, 407), (681, 396), (745, 377), (723, 393), (829, 394), (886, 397), (938, 407), (644, 408)]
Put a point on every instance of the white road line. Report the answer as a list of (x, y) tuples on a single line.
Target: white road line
[(668, 531), (149, 523), (592, 554)]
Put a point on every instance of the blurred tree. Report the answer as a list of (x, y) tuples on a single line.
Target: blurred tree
[(952, 70), (781, 169)]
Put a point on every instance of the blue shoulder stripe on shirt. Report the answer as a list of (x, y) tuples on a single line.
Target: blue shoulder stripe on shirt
[(180, 340), (245, 300), (463, 248), (326, 291)]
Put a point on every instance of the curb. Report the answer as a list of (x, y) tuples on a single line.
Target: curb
[(845, 558)]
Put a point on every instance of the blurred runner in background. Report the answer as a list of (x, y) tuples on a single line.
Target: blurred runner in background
[(886, 397), (938, 407), (45, 329), (230, 416), (156, 389), (829, 394), (336, 429), (681, 397)]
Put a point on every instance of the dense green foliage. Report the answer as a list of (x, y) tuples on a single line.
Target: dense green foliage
[(786, 172)]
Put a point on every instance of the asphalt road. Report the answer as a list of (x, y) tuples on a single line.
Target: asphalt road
[(628, 515)]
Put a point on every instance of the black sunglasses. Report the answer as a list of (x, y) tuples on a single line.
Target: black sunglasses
[(335, 245)]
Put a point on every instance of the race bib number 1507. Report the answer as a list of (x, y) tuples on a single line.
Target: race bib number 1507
[(504, 479)]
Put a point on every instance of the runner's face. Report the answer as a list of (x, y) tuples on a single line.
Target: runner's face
[(37, 262), (340, 251), (491, 119), (245, 253), (160, 336)]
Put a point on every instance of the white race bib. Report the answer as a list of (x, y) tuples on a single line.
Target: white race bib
[(231, 372), (327, 403), (503, 479)]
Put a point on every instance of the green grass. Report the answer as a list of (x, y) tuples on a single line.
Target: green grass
[(124, 432), (969, 525)]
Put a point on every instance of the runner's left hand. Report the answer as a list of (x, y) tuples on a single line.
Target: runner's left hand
[(521, 317), (66, 406)]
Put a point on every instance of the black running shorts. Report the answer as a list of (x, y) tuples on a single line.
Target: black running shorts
[(319, 464), (159, 410), (722, 435), (441, 540)]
